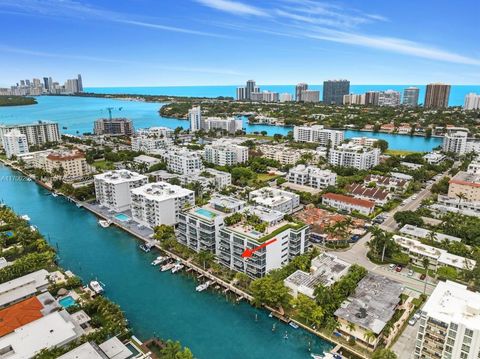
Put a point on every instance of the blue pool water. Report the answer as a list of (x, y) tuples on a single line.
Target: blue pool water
[(155, 303), (67, 301), (206, 213), (77, 114), (122, 217), (8, 233)]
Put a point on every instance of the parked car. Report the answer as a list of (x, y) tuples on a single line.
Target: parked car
[(414, 196), (354, 238), (412, 321), (417, 315), (398, 268), (410, 273), (423, 276), (391, 266)]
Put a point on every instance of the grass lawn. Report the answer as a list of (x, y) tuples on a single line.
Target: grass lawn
[(264, 177), (103, 165), (259, 137), (400, 152)]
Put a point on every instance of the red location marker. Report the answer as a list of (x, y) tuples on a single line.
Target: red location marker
[(249, 252)]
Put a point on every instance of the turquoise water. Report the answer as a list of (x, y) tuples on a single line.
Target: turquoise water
[(457, 93), (77, 114), (160, 304), (8, 233), (122, 217), (206, 213), (67, 301)]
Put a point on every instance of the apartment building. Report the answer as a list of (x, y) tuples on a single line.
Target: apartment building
[(465, 186), (288, 240), (198, 228), (37, 134), (392, 184), (150, 140), (68, 164), (225, 153), (455, 142), (377, 195), (159, 203), (318, 134), (276, 199), (181, 160), (437, 257), (286, 155), (113, 127), (349, 204), (15, 143), (350, 155), (112, 189), (364, 141), (311, 176), (35, 159), (230, 124), (449, 324), (208, 178)]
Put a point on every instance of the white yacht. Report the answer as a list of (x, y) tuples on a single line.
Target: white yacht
[(177, 267), (202, 287), (96, 287), (54, 194), (25, 217), (167, 266), (104, 223), (159, 260)]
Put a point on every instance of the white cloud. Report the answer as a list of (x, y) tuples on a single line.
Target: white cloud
[(234, 7)]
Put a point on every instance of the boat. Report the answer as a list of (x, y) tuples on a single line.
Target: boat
[(96, 287), (159, 260), (144, 248), (167, 266), (104, 223), (79, 205), (293, 325), (33, 228), (270, 315), (202, 287), (25, 217), (177, 267), (54, 194), (326, 356)]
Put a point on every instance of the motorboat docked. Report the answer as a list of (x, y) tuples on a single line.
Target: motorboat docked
[(177, 267), (25, 217), (293, 325), (202, 287), (54, 194), (326, 356), (104, 223), (167, 267), (79, 205), (96, 287), (33, 228), (147, 247), (159, 260)]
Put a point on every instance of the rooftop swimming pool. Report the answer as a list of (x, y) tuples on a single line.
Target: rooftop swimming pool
[(122, 217), (67, 301), (205, 212)]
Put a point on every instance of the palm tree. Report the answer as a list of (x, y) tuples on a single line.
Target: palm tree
[(426, 265), (205, 257), (351, 327), (171, 349), (461, 197), (369, 336)]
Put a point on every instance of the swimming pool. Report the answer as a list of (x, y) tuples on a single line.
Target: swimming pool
[(206, 213), (67, 301), (8, 233), (122, 217)]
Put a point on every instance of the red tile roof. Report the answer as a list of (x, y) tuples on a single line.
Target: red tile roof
[(20, 314), (351, 200)]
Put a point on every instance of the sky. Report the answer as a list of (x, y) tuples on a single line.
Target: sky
[(226, 42)]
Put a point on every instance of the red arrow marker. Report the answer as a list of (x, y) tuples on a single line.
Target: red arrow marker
[(249, 252)]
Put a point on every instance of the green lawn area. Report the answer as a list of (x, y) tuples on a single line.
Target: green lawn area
[(400, 152), (103, 165), (260, 137), (264, 177)]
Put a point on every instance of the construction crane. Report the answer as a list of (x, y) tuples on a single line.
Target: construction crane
[(110, 109)]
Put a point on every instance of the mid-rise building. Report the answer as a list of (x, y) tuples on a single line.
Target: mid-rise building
[(225, 154), (449, 323), (286, 155), (334, 90), (181, 160), (389, 98), (455, 142), (265, 96), (348, 204), (410, 96), (363, 141), (15, 143), (310, 96), (437, 95), (113, 127), (67, 164), (350, 155), (159, 203), (311, 176), (276, 199), (474, 166), (230, 124), (195, 118), (37, 134), (298, 91), (354, 99), (318, 134), (472, 102), (286, 241), (465, 186), (112, 189)]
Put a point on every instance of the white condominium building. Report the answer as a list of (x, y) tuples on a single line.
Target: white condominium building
[(68, 164), (449, 324), (389, 98), (364, 141), (160, 203), (354, 99), (350, 155), (15, 143), (318, 134), (181, 160), (287, 155), (230, 124), (195, 118), (276, 199), (472, 102), (312, 176), (455, 142), (37, 133), (290, 239), (152, 139), (225, 154), (112, 189)]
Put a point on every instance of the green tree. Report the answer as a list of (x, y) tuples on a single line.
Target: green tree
[(384, 353), (270, 292)]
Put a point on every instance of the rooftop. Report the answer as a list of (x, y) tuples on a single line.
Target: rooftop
[(120, 176), (268, 196), (466, 179), (350, 200), (22, 287), (226, 203), (373, 303), (85, 351), (418, 232), (161, 191), (378, 194), (19, 315)]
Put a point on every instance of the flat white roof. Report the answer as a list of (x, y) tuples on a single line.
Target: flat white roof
[(161, 191), (52, 330), (453, 302), (84, 351), (115, 349), (424, 233), (119, 176), (269, 196), (20, 287)]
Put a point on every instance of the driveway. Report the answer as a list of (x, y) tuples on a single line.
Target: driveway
[(404, 347)]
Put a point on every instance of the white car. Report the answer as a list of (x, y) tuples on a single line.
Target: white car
[(391, 266), (410, 273), (412, 321), (414, 196)]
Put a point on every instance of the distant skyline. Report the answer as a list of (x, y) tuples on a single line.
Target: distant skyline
[(224, 42)]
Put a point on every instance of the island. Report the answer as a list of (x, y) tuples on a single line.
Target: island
[(17, 101)]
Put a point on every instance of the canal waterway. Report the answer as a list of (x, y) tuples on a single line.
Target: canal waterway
[(156, 304), (77, 114)]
